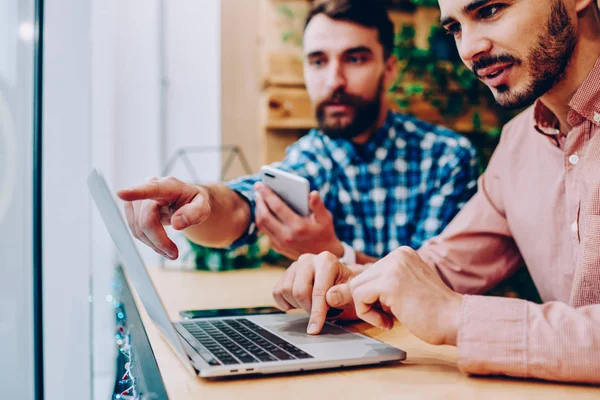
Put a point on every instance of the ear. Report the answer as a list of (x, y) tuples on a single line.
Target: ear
[(581, 5), (391, 71)]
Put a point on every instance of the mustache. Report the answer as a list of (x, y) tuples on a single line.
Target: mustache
[(488, 61), (341, 97)]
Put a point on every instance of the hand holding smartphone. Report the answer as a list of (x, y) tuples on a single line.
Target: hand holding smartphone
[(292, 189)]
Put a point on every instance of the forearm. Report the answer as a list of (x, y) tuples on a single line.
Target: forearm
[(476, 250), (552, 341), (228, 220)]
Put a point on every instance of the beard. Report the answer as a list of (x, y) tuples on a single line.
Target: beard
[(547, 62), (364, 114)]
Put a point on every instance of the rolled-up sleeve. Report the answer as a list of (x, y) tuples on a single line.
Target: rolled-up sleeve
[(244, 187), (551, 341)]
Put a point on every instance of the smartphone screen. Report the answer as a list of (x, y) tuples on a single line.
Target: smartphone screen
[(229, 312)]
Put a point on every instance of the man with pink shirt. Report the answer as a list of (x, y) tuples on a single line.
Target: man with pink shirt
[(538, 203)]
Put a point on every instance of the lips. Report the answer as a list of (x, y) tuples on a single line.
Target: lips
[(337, 107), (496, 75)]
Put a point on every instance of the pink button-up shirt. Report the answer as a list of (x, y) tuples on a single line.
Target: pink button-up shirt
[(539, 204)]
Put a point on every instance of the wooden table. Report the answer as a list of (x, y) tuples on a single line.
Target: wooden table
[(430, 372)]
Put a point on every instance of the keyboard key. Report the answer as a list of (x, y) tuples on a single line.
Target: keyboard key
[(230, 361), (247, 359), (266, 358), (300, 354), (282, 355)]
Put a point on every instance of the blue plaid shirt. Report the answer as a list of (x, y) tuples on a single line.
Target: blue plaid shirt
[(402, 187)]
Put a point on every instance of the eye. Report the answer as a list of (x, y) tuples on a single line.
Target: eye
[(453, 29), (317, 62), (357, 59), (489, 11)]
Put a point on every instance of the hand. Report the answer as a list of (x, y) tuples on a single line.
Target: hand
[(164, 201), (401, 285), (292, 234), (306, 283)]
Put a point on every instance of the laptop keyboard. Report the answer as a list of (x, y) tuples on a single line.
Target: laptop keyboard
[(240, 341)]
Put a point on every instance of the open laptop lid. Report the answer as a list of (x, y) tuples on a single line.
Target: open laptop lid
[(133, 263)]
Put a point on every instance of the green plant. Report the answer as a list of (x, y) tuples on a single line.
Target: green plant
[(293, 20), (437, 75), (249, 256)]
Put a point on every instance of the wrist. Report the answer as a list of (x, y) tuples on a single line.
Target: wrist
[(349, 255), (337, 249), (451, 322)]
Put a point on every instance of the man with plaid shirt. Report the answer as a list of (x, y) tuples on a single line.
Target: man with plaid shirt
[(379, 179), (402, 187)]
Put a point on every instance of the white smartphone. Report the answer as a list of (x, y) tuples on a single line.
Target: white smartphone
[(292, 189)]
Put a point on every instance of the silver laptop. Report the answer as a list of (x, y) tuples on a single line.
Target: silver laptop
[(257, 344)]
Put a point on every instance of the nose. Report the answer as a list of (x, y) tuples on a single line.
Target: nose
[(336, 78), (472, 45)]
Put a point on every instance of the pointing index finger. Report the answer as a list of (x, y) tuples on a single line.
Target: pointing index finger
[(154, 190)]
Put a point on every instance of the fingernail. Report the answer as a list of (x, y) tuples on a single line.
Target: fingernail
[(335, 296), (173, 256), (312, 328), (183, 219)]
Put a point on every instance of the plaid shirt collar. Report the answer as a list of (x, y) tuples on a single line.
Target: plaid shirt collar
[(366, 152)]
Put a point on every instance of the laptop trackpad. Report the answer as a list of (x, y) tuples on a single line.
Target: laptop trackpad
[(293, 327)]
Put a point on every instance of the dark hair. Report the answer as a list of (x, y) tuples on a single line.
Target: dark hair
[(369, 13)]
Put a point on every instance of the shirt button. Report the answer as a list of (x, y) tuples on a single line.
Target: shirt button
[(597, 118), (573, 159), (574, 227)]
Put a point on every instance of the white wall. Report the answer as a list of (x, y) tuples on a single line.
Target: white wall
[(192, 51), (190, 54)]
